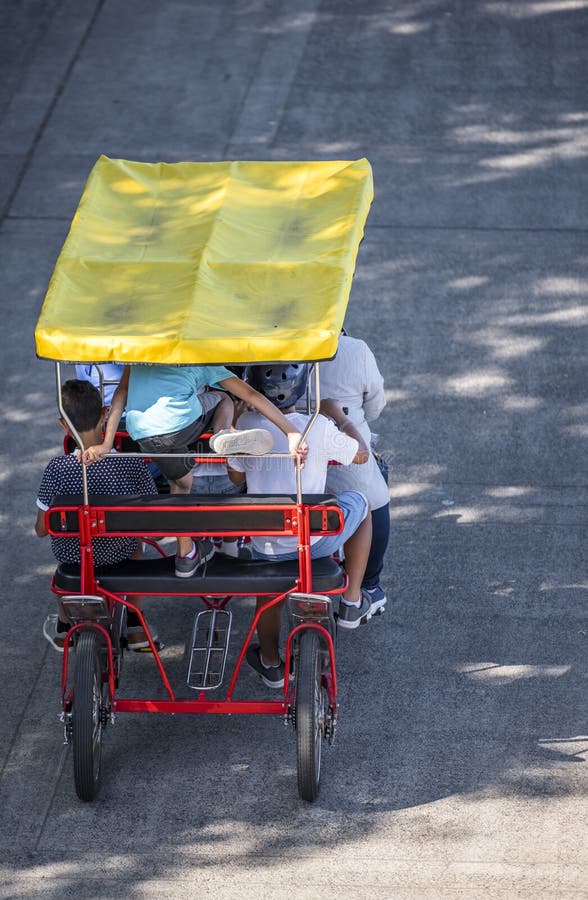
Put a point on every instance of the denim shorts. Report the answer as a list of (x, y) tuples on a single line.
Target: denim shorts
[(354, 507), (215, 484), (179, 442)]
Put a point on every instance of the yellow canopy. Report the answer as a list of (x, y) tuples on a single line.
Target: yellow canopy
[(226, 262)]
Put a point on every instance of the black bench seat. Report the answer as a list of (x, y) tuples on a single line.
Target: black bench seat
[(220, 576)]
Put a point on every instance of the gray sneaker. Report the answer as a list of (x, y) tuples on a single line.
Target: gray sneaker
[(354, 616), (272, 676), (378, 600), (255, 441), (185, 567)]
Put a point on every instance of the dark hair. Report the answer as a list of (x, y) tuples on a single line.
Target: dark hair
[(82, 403)]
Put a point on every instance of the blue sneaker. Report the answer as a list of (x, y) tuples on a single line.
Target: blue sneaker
[(378, 600)]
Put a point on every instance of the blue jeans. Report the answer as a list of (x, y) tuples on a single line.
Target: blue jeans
[(380, 539), (354, 507)]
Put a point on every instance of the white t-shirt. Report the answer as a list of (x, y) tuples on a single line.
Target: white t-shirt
[(278, 476), (353, 378)]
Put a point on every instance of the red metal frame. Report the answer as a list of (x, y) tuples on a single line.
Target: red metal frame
[(91, 517), (330, 676), (92, 524)]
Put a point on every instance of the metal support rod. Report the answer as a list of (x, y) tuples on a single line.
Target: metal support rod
[(73, 431), (309, 424)]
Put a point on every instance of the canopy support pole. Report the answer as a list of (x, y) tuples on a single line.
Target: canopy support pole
[(309, 424), (73, 431)]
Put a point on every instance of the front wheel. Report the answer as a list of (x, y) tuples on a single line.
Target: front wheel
[(88, 715), (310, 715)]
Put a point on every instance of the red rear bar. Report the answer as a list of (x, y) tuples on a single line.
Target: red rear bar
[(201, 706)]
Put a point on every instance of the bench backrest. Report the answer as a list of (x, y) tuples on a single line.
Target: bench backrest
[(247, 514)]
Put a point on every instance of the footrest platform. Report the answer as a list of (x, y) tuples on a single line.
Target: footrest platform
[(210, 644)]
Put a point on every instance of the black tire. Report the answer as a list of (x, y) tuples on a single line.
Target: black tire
[(89, 699), (310, 715)]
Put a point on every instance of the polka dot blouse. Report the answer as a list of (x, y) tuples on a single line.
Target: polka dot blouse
[(112, 475)]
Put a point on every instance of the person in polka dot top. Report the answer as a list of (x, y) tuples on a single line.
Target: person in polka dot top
[(112, 475)]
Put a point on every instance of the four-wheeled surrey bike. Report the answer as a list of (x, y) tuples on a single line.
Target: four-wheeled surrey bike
[(112, 298)]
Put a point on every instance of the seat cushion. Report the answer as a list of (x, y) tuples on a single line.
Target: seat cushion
[(220, 576)]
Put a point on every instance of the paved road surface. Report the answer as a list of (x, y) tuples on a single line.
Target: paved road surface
[(460, 763)]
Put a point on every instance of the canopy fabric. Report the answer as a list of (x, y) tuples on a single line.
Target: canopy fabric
[(200, 263)]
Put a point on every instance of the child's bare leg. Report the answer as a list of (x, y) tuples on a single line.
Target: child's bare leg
[(182, 486), (357, 550), (224, 416), (223, 413), (268, 632)]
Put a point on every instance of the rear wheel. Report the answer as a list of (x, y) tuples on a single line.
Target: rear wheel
[(88, 715), (311, 704)]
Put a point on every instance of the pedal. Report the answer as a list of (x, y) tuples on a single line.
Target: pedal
[(210, 646)]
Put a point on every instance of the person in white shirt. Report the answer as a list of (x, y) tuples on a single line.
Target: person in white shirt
[(284, 385), (354, 380)]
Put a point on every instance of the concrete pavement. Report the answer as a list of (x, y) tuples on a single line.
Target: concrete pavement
[(460, 762)]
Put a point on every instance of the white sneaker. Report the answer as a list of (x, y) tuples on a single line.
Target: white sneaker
[(234, 550), (56, 638), (254, 441)]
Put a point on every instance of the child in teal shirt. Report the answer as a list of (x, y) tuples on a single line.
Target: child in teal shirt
[(167, 411)]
